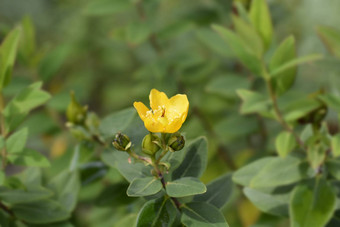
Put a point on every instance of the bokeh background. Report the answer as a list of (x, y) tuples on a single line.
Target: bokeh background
[(113, 52)]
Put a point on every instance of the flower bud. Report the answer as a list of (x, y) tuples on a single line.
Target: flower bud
[(148, 145), (176, 142), (76, 113), (121, 142)]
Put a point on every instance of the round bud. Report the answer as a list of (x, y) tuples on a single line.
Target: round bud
[(121, 142), (176, 142), (148, 145), (76, 113)]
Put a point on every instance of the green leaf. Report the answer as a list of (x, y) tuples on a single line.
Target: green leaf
[(18, 196), (114, 195), (16, 142), (285, 143), (333, 166), (127, 220), (226, 85), (106, 7), (218, 191), (119, 160), (260, 17), (185, 186), (199, 214), (29, 158), (292, 169), (294, 62), (195, 159), (66, 186), (144, 187), (137, 33), (274, 201), (244, 175), (331, 101), (117, 122), (283, 54), (312, 206), (27, 45), (335, 145), (40, 212), (160, 212), (331, 38), (253, 102), (8, 51), (249, 59)]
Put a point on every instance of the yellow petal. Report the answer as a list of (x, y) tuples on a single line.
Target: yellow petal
[(178, 106), (141, 109), (174, 126), (152, 125), (158, 99)]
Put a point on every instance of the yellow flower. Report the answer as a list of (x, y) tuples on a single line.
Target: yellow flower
[(166, 115)]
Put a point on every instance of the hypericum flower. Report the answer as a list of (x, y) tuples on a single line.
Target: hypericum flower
[(166, 115)]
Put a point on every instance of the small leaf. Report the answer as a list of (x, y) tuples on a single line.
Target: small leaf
[(195, 159), (331, 101), (156, 213), (260, 17), (249, 59), (8, 51), (218, 191), (185, 186), (312, 206), (294, 62), (144, 187), (335, 144), (253, 102), (285, 143), (29, 158), (199, 214), (17, 141), (40, 212), (331, 38)]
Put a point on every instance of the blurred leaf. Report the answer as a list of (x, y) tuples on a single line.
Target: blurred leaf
[(27, 44), (66, 187), (312, 206), (274, 202), (335, 145), (253, 102), (144, 187), (106, 7), (185, 186), (316, 153), (292, 169), (137, 33), (283, 54), (293, 63), (29, 157), (227, 85), (8, 51), (127, 220), (44, 211), (331, 38), (212, 40), (53, 61), (285, 143), (195, 159), (160, 212), (117, 122), (260, 17), (18, 196), (331, 101), (218, 191), (200, 214), (114, 195), (119, 160), (249, 36), (17, 141), (244, 175), (333, 166), (249, 59)]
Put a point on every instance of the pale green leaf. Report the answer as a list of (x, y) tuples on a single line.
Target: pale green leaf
[(16, 142), (285, 143), (335, 144), (331, 38), (185, 186), (144, 187)]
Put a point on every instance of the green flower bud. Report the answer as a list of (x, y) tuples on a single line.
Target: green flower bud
[(76, 113), (121, 142), (176, 142), (148, 145)]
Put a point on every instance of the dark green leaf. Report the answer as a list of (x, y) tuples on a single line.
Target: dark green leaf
[(218, 191), (106, 7), (199, 214), (114, 195), (333, 166), (17, 196), (144, 187), (312, 206)]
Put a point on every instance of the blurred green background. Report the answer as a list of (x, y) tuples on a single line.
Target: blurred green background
[(113, 52)]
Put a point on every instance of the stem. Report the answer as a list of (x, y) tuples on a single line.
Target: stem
[(139, 157), (278, 113)]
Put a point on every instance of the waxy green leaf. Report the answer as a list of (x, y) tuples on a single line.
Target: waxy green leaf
[(144, 187), (185, 186)]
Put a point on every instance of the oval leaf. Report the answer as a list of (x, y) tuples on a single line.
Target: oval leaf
[(185, 186), (144, 186)]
